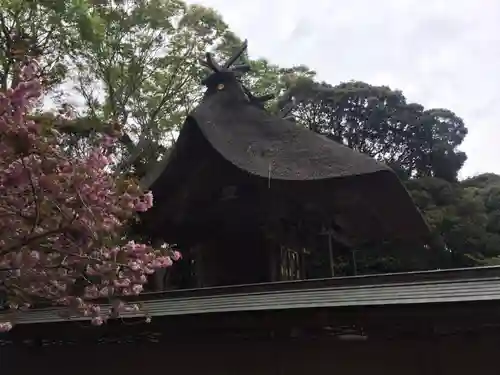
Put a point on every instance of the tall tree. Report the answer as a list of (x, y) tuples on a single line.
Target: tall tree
[(46, 30), (379, 121), (465, 215), (143, 71), (486, 189)]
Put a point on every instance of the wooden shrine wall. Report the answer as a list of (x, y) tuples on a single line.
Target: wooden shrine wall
[(453, 355)]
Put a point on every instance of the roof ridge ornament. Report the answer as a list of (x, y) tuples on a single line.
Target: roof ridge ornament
[(211, 64), (237, 70)]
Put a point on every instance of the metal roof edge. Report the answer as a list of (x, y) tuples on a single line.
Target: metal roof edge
[(410, 292), (438, 275)]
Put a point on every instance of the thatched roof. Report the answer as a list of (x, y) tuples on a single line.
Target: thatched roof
[(268, 146), (228, 132)]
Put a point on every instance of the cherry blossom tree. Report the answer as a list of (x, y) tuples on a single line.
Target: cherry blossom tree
[(62, 221)]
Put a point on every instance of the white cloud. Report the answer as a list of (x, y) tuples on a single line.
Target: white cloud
[(441, 53)]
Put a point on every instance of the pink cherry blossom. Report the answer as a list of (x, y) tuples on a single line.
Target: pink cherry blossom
[(5, 326), (62, 220)]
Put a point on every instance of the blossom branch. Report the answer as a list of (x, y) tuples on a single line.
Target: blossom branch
[(63, 220)]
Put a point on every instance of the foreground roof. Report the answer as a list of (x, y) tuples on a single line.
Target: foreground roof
[(414, 288)]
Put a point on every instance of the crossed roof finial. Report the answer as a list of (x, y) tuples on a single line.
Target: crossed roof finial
[(211, 64), (238, 69)]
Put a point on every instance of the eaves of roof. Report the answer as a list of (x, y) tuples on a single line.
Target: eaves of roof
[(413, 288)]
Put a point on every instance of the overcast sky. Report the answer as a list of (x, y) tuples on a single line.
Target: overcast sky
[(441, 53)]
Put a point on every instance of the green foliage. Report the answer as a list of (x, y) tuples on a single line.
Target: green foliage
[(32, 28), (466, 215), (379, 121)]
